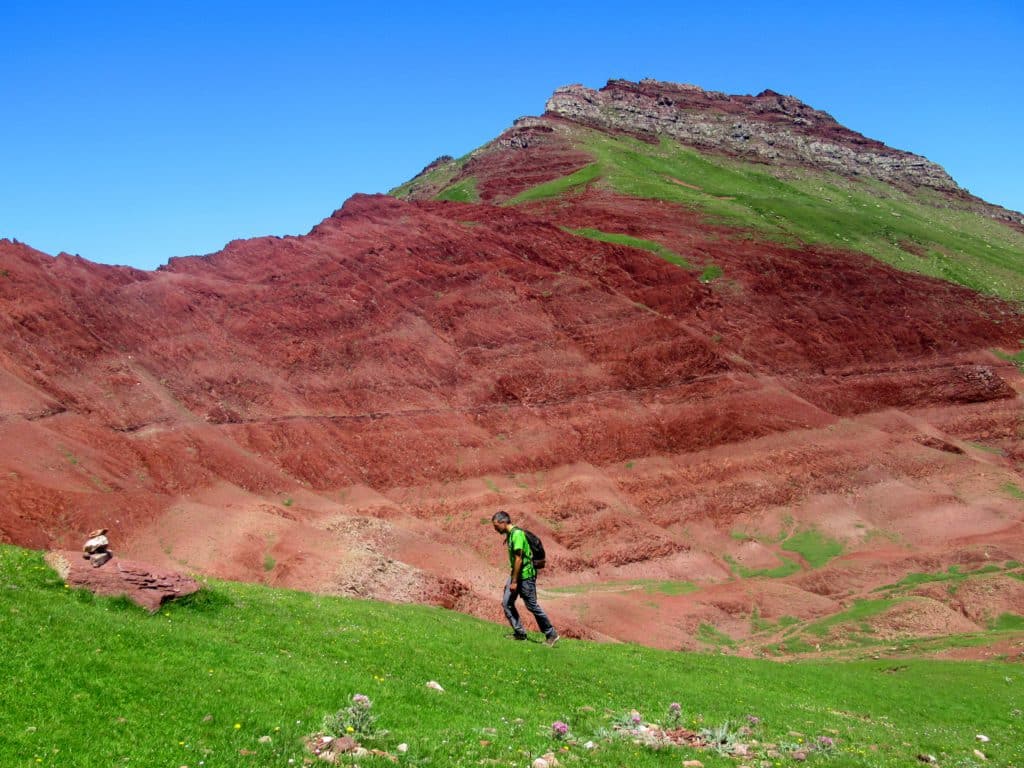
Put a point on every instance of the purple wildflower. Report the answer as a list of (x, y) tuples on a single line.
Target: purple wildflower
[(362, 700), (559, 729), (635, 717)]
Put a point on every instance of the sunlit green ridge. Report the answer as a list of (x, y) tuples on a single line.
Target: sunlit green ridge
[(920, 231)]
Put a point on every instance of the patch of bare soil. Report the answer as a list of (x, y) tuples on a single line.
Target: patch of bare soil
[(920, 617), (683, 183), (1000, 649), (985, 599)]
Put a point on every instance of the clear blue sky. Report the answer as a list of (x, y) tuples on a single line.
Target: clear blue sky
[(130, 133)]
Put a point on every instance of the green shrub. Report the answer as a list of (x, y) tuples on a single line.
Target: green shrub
[(356, 720)]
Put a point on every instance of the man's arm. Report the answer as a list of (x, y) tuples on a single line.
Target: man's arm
[(517, 568)]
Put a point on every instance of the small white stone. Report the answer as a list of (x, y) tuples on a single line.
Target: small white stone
[(265, 739), (434, 685), (589, 745), (982, 738), (980, 755), (95, 543), (403, 748), (540, 762), (360, 752)]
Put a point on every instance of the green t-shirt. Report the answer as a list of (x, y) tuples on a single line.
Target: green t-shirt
[(517, 542)]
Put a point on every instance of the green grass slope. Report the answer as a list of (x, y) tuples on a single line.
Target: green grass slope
[(240, 674), (436, 181), (633, 242), (919, 231)]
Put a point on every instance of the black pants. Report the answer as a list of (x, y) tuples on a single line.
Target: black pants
[(528, 591)]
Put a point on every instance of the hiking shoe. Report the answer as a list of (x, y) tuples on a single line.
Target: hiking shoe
[(519, 636), (550, 642)]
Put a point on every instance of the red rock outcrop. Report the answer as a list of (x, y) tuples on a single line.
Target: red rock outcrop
[(143, 584)]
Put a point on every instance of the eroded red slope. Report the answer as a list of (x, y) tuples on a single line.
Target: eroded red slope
[(341, 411)]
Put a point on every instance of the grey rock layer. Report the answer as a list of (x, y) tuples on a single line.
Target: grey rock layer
[(769, 127)]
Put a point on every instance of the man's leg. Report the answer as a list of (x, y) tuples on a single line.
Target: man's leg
[(508, 602), (528, 591)]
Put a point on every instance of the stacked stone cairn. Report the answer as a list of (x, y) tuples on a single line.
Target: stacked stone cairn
[(97, 549)]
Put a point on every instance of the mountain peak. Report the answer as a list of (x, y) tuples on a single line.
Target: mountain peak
[(769, 127)]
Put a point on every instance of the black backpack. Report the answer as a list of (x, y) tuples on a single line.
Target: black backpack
[(536, 547)]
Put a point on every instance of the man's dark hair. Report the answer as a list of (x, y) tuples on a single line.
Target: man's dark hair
[(501, 517)]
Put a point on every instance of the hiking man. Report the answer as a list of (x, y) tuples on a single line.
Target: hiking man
[(522, 580)]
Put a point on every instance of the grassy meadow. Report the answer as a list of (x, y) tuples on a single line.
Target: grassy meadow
[(240, 674)]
